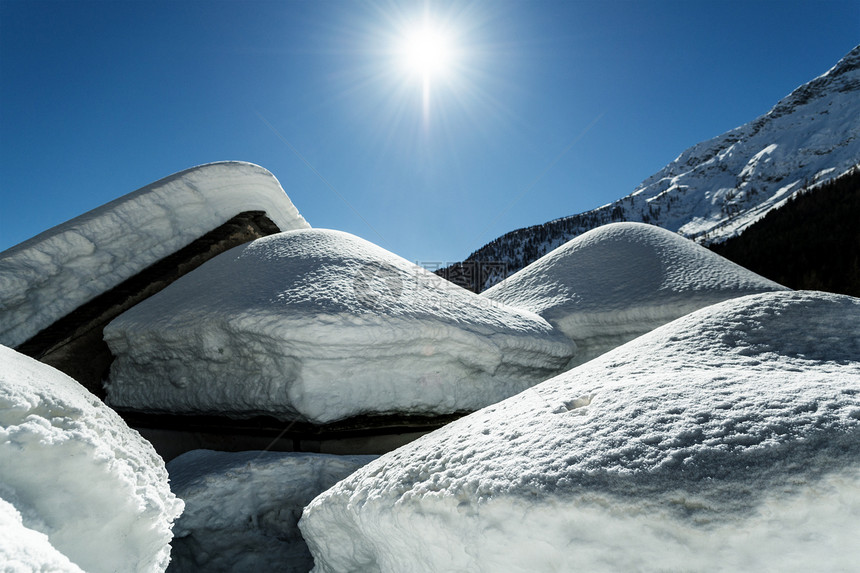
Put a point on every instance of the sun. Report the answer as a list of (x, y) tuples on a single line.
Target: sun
[(427, 56), (427, 51)]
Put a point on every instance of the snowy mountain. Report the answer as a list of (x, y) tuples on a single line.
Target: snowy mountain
[(716, 189)]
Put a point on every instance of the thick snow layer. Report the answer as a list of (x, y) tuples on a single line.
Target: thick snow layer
[(619, 281), (75, 472), (322, 325), (23, 550), (48, 276), (727, 440), (242, 509)]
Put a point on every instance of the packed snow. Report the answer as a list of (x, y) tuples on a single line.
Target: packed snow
[(321, 325), (619, 281), (727, 440), (242, 509), (50, 275), (24, 550), (76, 483)]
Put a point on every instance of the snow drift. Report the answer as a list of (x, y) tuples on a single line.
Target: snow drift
[(321, 325), (24, 550), (619, 281), (50, 275), (73, 471), (726, 440), (242, 509)]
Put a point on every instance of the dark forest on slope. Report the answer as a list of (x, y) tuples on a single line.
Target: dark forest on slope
[(811, 242)]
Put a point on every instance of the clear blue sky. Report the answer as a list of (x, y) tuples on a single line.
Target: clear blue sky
[(546, 109)]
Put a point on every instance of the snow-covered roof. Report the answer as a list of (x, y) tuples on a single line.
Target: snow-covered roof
[(242, 508), (321, 325), (726, 440), (619, 281), (50, 275), (72, 470)]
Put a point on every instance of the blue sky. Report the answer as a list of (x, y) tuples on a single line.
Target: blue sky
[(545, 109)]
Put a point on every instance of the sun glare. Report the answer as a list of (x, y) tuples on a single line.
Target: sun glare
[(427, 52), (428, 55)]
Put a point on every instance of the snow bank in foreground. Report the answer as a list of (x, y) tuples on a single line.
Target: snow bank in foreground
[(25, 550), (48, 276), (619, 281), (242, 509), (322, 325), (75, 472), (727, 440)]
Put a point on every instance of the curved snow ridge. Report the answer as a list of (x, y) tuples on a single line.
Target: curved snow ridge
[(619, 281), (726, 440), (322, 325), (75, 472), (242, 508), (50, 275)]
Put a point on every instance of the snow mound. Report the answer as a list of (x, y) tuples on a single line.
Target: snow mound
[(25, 550), (72, 470), (322, 325), (726, 440), (242, 509), (619, 281), (50, 275)]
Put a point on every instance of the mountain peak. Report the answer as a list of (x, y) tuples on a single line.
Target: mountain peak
[(850, 63), (843, 77)]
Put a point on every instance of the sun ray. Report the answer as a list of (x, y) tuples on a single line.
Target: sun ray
[(427, 53)]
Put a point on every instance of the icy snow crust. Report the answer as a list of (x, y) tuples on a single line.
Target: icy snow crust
[(50, 275), (242, 509), (619, 281), (726, 440), (73, 471), (322, 325)]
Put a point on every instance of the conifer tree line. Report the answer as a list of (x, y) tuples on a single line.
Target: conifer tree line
[(812, 242)]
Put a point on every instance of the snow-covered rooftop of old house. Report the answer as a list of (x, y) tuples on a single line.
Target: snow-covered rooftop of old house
[(726, 440), (75, 477), (50, 275), (321, 325), (242, 508), (619, 281)]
